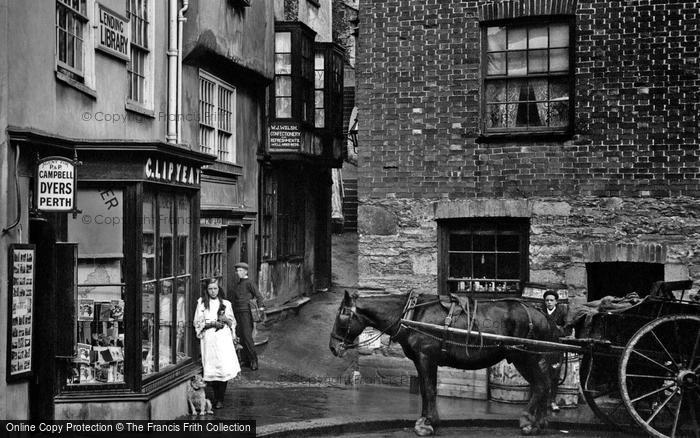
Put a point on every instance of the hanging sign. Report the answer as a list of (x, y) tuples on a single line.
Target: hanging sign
[(114, 33), (55, 185), (20, 322)]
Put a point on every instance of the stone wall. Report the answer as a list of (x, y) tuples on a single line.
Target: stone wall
[(398, 249)]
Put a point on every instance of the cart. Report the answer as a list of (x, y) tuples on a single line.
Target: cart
[(640, 365)]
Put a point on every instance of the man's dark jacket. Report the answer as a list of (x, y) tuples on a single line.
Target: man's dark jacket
[(243, 291)]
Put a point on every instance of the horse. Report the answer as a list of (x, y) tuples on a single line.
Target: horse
[(430, 349)]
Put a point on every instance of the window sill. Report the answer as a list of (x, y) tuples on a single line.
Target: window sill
[(502, 137), (75, 84), (139, 109)]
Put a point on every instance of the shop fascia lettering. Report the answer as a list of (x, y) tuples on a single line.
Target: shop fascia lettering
[(168, 171)]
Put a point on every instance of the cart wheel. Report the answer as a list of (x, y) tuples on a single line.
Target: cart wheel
[(601, 390), (660, 376)]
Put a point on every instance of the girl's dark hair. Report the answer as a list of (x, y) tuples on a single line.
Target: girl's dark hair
[(205, 294)]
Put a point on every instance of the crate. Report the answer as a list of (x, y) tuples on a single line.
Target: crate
[(471, 384)]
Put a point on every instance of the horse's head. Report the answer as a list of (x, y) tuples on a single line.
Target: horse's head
[(348, 326)]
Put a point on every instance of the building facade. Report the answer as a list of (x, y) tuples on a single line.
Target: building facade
[(514, 142), (305, 141), (119, 120)]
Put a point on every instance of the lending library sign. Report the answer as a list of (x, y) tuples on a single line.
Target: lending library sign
[(114, 33), (55, 185)]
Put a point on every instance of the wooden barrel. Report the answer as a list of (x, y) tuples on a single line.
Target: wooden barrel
[(506, 385), (567, 392)]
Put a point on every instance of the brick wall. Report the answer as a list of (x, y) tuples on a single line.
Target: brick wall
[(637, 101)]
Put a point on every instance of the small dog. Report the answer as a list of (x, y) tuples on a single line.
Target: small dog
[(196, 398)]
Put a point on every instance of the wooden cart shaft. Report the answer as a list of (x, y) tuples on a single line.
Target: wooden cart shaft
[(506, 340)]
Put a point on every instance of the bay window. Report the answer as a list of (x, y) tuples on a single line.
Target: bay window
[(166, 280), (292, 96)]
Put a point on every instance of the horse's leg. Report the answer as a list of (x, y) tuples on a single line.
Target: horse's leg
[(534, 369), (427, 374)]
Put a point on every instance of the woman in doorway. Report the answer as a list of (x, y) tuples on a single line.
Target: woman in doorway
[(214, 324)]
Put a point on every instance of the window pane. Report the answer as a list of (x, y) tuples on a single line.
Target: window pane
[(318, 61), (517, 64), (165, 219), (165, 326), (99, 346), (283, 42), (508, 266), (148, 304), (460, 266), (517, 38), (496, 64), (182, 293), (559, 89), (559, 113), (559, 60), (319, 120), (496, 38), (496, 116), (484, 242), (484, 265), (283, 107), (496, 91), (558, 35), (319, 79), (537, 38), (508, 242), (283, 64), (318, 99), (183, 231), (283, 86), (460, 242), (537, 61)]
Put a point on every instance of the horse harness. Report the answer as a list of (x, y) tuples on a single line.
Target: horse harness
[(455, 305)]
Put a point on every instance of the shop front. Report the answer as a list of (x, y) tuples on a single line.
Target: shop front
[(116, 282)]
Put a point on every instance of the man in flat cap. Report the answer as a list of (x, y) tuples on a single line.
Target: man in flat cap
[(244, 290)]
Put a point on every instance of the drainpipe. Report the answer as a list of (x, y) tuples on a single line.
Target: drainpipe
[(180, 22), (171, 135)]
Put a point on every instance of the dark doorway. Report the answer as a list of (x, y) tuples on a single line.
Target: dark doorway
[(620, 278)]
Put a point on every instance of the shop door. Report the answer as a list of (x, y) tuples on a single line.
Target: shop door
[(55, 278)]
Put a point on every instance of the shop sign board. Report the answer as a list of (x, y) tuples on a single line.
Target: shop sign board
[(171, 172), (55, 185), (285, 137), (20, 322), (114, 33)]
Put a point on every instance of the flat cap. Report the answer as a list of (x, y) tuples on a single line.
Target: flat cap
[(241, 265)]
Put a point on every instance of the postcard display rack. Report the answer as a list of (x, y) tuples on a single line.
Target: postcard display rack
[(99, 355), (22, 264)]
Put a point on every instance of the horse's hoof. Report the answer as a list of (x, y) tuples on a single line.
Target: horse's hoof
[(423, 427)]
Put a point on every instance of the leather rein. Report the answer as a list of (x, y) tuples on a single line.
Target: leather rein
[(411, 304)]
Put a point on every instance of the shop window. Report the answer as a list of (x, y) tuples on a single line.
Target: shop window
[(99, 325), (528, 78), (328, 88), (212, 241), (290, 215), (217, 125), (166, 281), (140, 67), (71, 34), (483, 255), (293, 92)]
